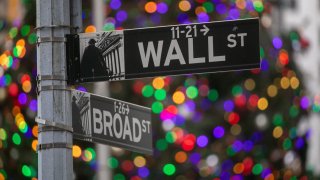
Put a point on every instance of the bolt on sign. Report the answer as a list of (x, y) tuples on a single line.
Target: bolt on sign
[(112, 122), (161, 51)]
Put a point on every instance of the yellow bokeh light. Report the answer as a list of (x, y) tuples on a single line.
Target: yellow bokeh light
[(34, 144), (249, 84), (284, 83), (272, 90), (139, 161), (26, 86), (158, 83), (277, 132), (150, 7), (184, 5), (76, 151), (294, 82), (263, 104), (90, 29), (178, 97)]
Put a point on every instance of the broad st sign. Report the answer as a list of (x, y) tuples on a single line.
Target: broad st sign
[(112, 122), (162, 51)]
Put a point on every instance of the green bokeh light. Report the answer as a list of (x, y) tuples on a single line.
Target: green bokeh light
[(161, 145), (262, 54), (13, 32), (192, 92), (119, 177), (26, 171), (32, 38), (170, 138), (16, 139), (208, 6), (160, 94), (258, 6), (213, 95), (287, 144), (169, 169), (108, 27), (25, 30), (113, 162), (157, 107), (236, 90), (294, 111), (231, 151), (277, 120), (257, 169), (147, 91)]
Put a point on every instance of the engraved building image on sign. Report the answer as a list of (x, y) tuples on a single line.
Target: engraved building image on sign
[(102, 55), (81, 116)]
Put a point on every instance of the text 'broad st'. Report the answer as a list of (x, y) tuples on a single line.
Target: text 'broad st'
[(112, 122)]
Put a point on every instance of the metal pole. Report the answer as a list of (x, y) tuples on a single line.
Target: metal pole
[(101, 88), (55, 145)]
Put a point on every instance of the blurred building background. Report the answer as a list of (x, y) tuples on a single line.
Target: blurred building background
[(259, 124)]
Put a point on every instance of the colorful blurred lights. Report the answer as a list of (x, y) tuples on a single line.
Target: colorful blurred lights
[(277, 42), (139, 161), (262, 103), (115, 4), (169, 169), (178, 97), (304, 102), (158, 83), (218, 132), (181, 157), (150, 7), (143, 172), (184, 5), (76, 151), (162, 8), (202, 141)]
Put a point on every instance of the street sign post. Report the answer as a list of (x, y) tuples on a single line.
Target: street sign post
[(161, 51), (112, 122)]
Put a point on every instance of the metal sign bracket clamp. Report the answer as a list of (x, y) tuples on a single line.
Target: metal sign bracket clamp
[(50, 39), (49, 125), (53, 145), (52, 87)]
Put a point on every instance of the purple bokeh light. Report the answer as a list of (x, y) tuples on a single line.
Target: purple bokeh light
[(218, 132), (23, 98), (115, 4), (202, 141), (221, 8), (277, 42), (203, 17), (304, 102), (143, 172), (121, 16), (228, 106), (162, 8)]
